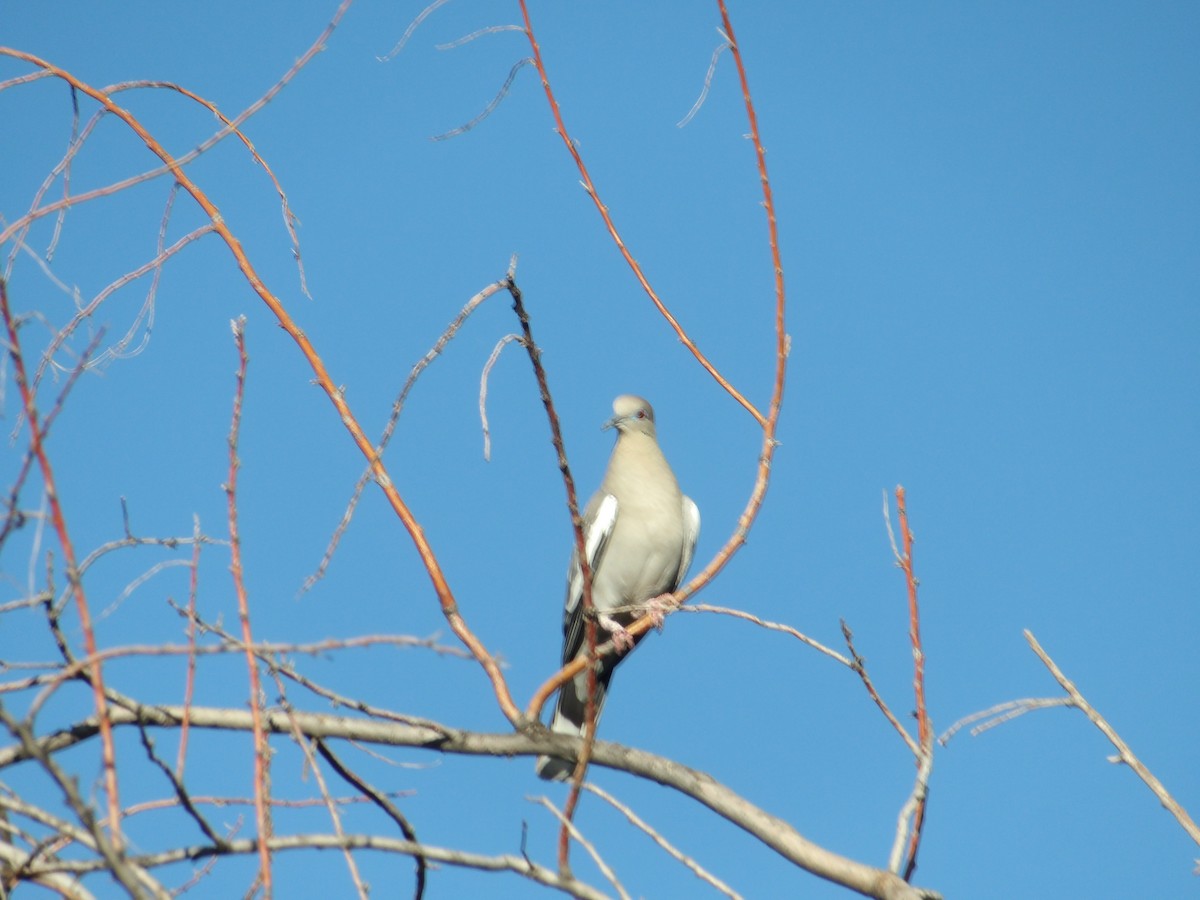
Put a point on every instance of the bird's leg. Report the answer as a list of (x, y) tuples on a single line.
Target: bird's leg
[(658, 607), (621, 637)]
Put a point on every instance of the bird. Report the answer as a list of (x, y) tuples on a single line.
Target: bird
[(640, 534)]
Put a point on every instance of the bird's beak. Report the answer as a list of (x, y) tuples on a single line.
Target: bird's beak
[(611, 423)]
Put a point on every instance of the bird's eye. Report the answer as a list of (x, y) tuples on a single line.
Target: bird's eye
[(641, 414)]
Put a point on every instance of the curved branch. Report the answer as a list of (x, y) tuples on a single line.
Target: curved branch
[(441, 587), (561, 128), (773, 831), (445, 855), (769, 423)]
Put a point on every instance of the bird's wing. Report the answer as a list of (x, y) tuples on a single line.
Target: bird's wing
[(691, 533), (597, 529)]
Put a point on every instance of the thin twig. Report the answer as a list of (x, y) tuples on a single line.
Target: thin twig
[(189, 687), (708, 78), (911, 811), (770, 626), (1001, 713), (380, 800), (23, 79), (590, 625), (227, 802), (490, 108), (180, 789), (605, 869), (573, 507), (590, 187), (918, 801), (412, 26), (171, 165), (66, 185), (390, 428), (491, 29), (483, 387), (437, 576), (95, 674), (15, 517), (292, 842), (261, 762), (696, 869), (1124, 752), (268, 654), (859, 665), (112, 855), (330, 802)]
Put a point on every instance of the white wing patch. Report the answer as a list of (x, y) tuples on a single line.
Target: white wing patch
[(691, 533), (595, 539)]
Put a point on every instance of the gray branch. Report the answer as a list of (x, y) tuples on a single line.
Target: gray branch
[(773, 831)]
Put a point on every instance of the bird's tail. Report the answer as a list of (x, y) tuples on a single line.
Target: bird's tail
[(569, 718)]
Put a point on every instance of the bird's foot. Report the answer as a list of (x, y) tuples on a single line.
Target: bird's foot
[(621, 637), (658, 607)]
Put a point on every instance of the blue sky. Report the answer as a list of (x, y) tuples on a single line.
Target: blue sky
[(989, 220)]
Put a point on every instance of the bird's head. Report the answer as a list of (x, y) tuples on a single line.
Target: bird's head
[(632, 415)]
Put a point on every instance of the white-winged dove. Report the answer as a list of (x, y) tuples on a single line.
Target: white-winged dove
[(639, 533)]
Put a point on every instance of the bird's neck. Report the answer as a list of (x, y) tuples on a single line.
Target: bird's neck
[(640, 454)]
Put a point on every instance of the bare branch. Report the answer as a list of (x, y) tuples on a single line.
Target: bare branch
[(639, 274), (181, 791), (261, 752), (189, 687), (770, 626), (111, 850), (483, 386), (461, 858), (390, 428), (1001, 713), (698, 870), (910, 812), (21, 865), (725, 44), (445, 596), (171, 165), (568, 825), (331, 805), (773, 831), (412, 26), (380, 800), (859, 665), (491, 29), (95, 675), (920, 792), (1124, 753), (490, 108)]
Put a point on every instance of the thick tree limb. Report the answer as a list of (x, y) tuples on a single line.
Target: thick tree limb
[(773, 831)]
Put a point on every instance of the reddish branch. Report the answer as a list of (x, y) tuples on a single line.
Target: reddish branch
[(261, 776), (95, 672), (589, 715), (590, 187), (189, 688), (322, 378), (389, 429), (769, 423), (924, 728)]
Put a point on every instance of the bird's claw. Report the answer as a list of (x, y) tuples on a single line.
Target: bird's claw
[(658, 607), (621, 638)]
